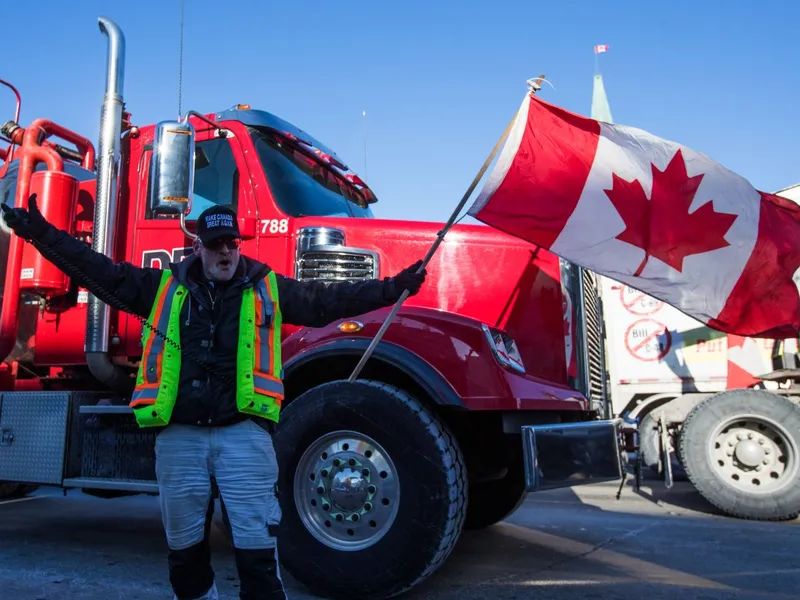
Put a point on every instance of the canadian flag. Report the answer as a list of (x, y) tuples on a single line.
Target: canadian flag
[(652, 214), (601, 48)]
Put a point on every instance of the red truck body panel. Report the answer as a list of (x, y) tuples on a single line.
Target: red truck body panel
[(477, 272), (458, 350)]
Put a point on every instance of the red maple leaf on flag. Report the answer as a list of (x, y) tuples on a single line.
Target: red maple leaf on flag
[(662, 226)]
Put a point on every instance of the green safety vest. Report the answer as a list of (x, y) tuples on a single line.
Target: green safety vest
[(259, 371)]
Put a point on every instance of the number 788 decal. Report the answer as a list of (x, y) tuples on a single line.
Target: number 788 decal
[(274, 225)]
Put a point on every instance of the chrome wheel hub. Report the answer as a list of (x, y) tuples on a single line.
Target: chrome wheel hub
[(754, 454), (346, 490), (349, 489)]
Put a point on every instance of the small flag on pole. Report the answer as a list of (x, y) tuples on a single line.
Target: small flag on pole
[(601, 48)]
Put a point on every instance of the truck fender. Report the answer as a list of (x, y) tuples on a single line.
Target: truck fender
[(419, 370)]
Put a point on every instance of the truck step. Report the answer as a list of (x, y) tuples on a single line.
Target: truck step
[(127, 485)]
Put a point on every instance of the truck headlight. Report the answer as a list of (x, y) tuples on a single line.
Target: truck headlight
[(504, 348)]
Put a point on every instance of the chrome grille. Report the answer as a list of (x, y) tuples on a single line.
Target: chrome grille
[(583, 291), (594, 336), (335, 265), (323, 256)]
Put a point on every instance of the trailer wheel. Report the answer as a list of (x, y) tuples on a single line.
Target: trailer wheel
[(373, 490), (492, 501), (741, 451)]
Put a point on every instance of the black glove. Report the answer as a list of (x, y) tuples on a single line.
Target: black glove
[(409, 279), (26, 224)]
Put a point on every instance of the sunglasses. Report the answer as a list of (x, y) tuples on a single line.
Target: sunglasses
[(229, 243)]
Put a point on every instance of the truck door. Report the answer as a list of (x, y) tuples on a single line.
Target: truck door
[(221, 178)]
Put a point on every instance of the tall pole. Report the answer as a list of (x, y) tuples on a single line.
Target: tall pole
[(364, 121), (180, 66), (597, 50)]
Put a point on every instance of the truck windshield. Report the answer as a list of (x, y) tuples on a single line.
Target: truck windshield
[(301, 186)]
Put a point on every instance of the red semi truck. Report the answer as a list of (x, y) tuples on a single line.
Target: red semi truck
[(487, 385)]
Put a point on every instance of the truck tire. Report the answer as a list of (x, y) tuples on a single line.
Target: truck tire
[(650, 445), (373, 490), (490, 502), (740, 450)]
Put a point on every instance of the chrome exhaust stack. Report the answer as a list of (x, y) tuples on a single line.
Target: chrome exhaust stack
[(105, 211)]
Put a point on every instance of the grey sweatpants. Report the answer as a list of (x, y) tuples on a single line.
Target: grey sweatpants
[(241, 458)]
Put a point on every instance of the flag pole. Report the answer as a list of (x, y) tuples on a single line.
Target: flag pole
[(364, 121), (535, 86)]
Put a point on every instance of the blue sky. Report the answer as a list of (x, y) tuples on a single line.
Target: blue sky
[(439, 81)]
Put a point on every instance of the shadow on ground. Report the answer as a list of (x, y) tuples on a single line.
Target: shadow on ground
[(564, 544)]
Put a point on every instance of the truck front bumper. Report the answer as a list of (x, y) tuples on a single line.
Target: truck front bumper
[(569, 454)]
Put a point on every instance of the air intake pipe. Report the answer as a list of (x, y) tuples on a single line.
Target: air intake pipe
[(105, 210)]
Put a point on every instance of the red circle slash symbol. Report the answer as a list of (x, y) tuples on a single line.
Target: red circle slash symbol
[(639, 303), (648, 340)]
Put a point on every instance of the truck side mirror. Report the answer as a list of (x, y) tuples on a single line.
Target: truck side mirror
[(172, 168)]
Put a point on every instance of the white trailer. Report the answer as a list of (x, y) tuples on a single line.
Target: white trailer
[(724, 407)]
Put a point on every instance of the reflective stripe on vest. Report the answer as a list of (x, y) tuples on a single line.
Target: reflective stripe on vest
[(267, 371), (259, 385), (159, 372), (259, 381)]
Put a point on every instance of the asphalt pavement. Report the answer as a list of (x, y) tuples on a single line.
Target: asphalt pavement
[(566, 544)]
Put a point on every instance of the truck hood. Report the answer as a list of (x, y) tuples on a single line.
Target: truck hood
[(477, 272)]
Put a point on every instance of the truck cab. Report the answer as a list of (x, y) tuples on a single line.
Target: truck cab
[(274, 176)]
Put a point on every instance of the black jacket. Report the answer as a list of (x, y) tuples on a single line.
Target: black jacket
[(210, 316)]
